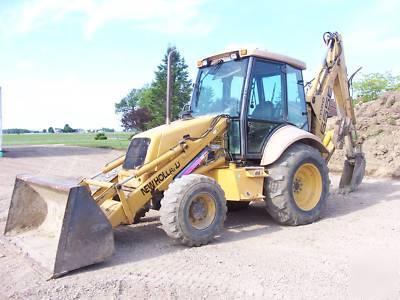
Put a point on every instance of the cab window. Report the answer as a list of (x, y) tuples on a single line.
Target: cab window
[(296, 99), (266, 97)]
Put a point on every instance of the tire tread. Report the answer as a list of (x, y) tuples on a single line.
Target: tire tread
[(276, 190), (170, 206)]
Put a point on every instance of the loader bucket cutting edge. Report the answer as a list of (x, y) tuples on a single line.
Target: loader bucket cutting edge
[(58, 224), (353, 173)]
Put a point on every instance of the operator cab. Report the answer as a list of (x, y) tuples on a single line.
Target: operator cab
[(260, 91)]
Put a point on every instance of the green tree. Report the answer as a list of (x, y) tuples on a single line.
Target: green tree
[(16, 131), (50, 130), (129, 101), (154, 97), (373, 84), (68, 129), (132, 116)]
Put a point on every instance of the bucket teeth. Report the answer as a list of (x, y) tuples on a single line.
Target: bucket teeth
[(58, 224), (353, 174)]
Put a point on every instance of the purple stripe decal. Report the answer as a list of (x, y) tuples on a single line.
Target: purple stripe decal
[(193, 164)]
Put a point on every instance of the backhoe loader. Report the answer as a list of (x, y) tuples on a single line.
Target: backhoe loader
[(250, 133)]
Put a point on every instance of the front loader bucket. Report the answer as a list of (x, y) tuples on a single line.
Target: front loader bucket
[(58, 224), (353, 173)]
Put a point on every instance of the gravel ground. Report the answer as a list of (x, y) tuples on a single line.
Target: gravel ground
[(352, 252)]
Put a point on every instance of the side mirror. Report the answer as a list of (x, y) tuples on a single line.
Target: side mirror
[(186, 112)]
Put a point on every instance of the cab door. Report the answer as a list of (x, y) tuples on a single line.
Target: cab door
[(266, 105)]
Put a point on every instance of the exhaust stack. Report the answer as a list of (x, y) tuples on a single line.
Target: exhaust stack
[(169, 87)]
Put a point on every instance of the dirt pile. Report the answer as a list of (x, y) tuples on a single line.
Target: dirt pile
[(378, 124)]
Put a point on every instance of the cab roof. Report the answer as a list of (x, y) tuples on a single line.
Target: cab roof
[(256, 53)]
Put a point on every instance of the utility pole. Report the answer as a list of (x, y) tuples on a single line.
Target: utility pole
[(169, 87)]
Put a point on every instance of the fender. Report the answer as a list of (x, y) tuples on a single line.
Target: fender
[(283, 138)]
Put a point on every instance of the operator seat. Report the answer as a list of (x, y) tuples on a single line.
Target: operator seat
[(264, 111)]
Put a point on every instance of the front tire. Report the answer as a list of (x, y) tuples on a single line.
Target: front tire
[(297, 187), (193, 209)]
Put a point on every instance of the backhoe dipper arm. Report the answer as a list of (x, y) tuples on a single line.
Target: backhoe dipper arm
[(330, 78)]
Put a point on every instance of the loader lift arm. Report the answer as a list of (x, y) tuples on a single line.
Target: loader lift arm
[(123, 209), (331, 77)]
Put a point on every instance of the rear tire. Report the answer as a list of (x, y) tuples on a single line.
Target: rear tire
[(193, 209), (297, 187)]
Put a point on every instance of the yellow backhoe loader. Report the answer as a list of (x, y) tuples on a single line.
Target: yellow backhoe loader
[(250, 133)]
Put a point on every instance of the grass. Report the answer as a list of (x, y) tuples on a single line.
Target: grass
[(114, 140)]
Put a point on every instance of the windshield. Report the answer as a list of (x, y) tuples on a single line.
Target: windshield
[(219, 89)]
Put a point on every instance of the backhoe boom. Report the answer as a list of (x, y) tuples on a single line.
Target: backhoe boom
[(330, 78)]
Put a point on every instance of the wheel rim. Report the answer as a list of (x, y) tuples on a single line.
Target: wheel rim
[(202, 211), (307, 186)]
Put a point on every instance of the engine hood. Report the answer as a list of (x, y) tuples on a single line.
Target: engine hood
[(164, 137)]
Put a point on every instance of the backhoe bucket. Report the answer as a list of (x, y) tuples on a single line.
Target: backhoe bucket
[(58, 224), (353, 173)]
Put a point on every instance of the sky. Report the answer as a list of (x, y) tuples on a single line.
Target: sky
[(69, 61)]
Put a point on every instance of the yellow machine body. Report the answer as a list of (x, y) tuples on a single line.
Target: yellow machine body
[(240, 183), (163, 162)]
